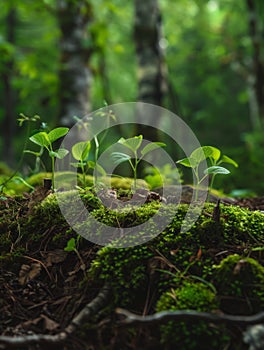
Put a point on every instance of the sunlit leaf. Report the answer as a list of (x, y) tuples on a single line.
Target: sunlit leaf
[(81, 150), (41, 139), (55, 134), (71, 245), (60, 153), (76, 165), (119, 157), (37, 154), (216, 170), (132, 143), (226, 159), (185, 162), (211, 152), (151, 147)]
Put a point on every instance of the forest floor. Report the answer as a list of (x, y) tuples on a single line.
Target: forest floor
[(42, 290)]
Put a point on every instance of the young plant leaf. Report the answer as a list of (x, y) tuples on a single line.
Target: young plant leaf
[(132, 143), (55, 134), (81, 150), (71, 245), (226, 159), (91, 164), (37, 154), (119, 157), (76, 165), (151, 147), (216, 170), (60, 153), (185, 162), (211, 152), (41, 139)]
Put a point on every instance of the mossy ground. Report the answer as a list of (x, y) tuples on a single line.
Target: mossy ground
[(216, 266)]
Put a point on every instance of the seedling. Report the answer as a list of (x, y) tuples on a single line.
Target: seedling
[(24, 118), (97, 143), (132, 146), (80, 152), (213, 155), (72, 247), (45, 141)]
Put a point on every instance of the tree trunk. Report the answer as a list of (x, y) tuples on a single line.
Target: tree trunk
[(256, 81), (8, 93), (74, 18), (151, 66), (148, 39)]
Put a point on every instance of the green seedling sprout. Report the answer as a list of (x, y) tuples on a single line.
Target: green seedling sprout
[(45, 141), (21, 120), (97, 142), (72, 247), (80, 152), (213, 155), (132, 146)]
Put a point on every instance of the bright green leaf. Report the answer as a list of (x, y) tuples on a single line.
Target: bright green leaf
[(151, 147), (197, 156), (132, 143), (119, 157), (185, 162), (71, 245), (81, 150), (37, 154), (41, 139), (216, 170), (61, 153), (211, 152), (55, 134), (91, 164), (226, 159), (76, 165)]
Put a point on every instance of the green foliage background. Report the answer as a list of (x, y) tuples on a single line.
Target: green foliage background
[(205, 42)]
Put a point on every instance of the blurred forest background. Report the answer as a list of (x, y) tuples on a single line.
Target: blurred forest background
[(201, 59)]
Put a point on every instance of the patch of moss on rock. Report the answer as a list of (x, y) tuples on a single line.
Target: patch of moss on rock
[(240, 284), (191, 335)]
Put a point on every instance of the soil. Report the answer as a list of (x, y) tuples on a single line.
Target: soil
[(45, 288)]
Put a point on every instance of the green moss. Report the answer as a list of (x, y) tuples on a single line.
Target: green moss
[(188, 296), (190, 335), (205, 232), (241, 224), (172, 255), (240, 284), (11, 186), (67, 180), (126, 183), (5, 170), (37, 179)]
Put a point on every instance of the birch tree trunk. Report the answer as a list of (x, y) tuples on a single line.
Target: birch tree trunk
[(74, 17)]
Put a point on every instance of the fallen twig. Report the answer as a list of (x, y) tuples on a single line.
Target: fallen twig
[(188, 315)]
